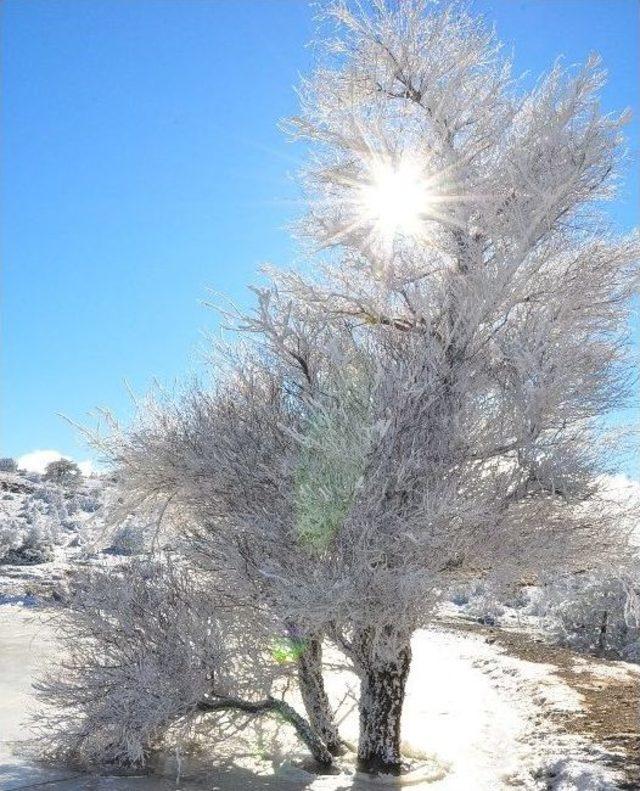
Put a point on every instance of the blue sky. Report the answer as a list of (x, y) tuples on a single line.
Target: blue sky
[(142, 165)]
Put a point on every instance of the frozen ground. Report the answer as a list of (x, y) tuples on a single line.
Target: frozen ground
[(476, 719)]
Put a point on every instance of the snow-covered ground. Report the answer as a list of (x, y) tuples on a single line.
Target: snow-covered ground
[(476, 719)]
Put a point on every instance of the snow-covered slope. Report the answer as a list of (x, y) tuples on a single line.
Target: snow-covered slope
[(43, 527)]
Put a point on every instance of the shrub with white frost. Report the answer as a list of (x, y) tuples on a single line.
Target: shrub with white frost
[(26, 543), (52, 502), (147, 652), (596, 612), (128, 538)]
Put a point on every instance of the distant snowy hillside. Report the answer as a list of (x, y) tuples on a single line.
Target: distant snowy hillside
[(43, 524)]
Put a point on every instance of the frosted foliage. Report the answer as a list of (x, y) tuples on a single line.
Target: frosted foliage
[(595, 612), (26, 543), (484, 603), (426, 406), (63, 471), (129, 537), (143, 649), (52, 502), (29, 533)]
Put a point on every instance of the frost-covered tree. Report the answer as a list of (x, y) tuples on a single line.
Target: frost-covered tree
[(428, 408), (63, 472), (7, 464), (463, 227)]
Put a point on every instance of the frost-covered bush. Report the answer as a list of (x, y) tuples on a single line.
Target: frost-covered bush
[(9, 537), (50, 500), (597, 612), (89, 501), (128, 538), (7, 464), (146, 652), (26, 543), (488, 603)]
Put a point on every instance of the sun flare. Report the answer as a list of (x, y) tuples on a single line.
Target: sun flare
[(395, 198)]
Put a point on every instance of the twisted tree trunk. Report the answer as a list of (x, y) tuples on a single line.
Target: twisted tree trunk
[(314, 695), (382, 691)]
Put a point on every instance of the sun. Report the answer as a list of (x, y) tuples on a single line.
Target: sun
[(395, 198)]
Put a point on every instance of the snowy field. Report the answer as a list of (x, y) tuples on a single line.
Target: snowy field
[(487, 723)]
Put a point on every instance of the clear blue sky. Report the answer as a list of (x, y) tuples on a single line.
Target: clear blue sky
[(142, 164)]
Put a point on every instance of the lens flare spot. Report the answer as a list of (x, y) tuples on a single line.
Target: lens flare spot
[(396, 197)]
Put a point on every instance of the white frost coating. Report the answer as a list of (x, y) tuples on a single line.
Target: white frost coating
[(480, 721), (463, 721)]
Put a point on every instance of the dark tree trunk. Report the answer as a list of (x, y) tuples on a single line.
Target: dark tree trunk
[(381, 700), (315, 698), (602, 637)]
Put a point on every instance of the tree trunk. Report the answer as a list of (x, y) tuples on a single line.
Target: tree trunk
[(602, 637), (382, 690), (315, 697)]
